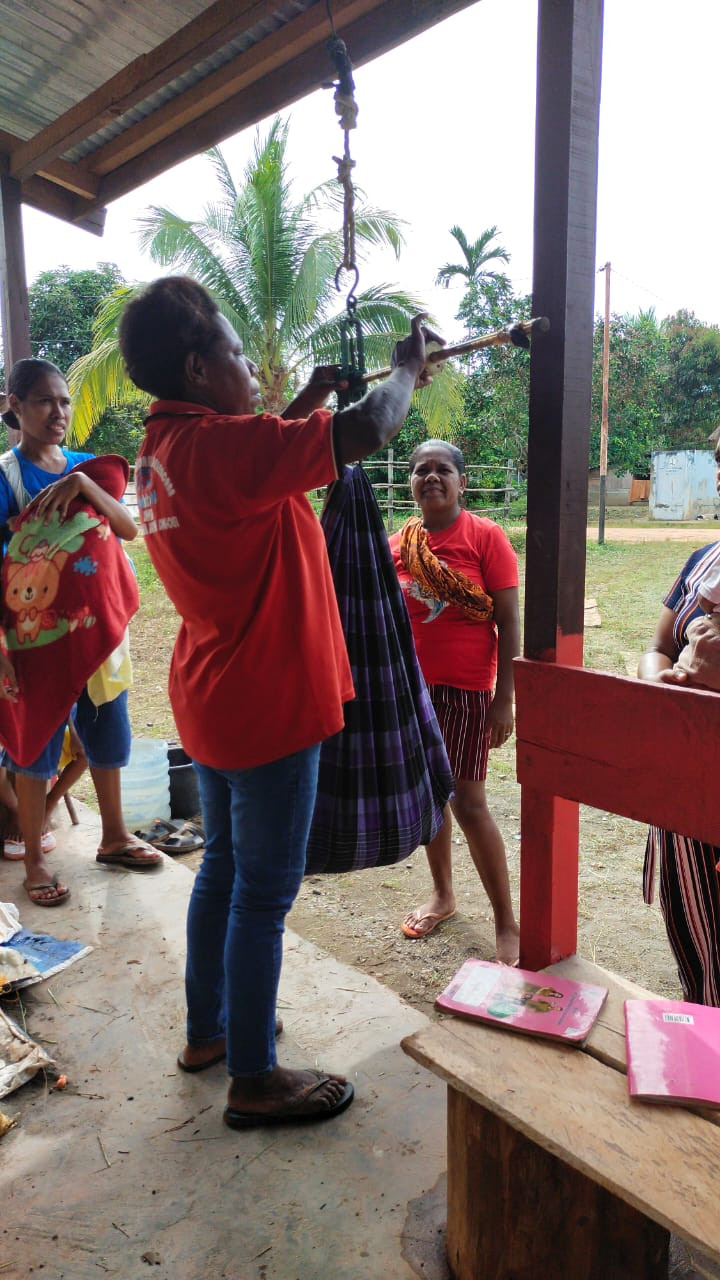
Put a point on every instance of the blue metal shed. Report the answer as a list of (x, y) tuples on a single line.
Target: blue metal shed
[(683, 485)]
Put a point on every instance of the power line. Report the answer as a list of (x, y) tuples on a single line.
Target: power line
[(636, 284)]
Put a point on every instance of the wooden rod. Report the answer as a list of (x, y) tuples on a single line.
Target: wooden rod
[(497, 339)]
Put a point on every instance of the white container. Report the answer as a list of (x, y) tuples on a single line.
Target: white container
[(145, 783)]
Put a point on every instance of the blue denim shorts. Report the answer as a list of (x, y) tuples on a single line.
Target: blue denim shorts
[(103, 731)]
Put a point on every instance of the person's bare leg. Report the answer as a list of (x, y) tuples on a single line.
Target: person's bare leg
[(487, 851), (69, 776), (31, 817), (7, 792), (441, 902), (115, 835), (8, 801)]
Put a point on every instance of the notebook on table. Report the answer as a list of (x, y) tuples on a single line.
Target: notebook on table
[(541, 1004)]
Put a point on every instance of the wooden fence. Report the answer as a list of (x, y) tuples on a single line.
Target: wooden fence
[(389, 478)]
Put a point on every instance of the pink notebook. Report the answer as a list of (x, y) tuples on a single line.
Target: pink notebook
[(673, 1051), (539, 1003)]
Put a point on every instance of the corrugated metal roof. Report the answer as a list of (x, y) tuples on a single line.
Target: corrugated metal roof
[(55, 52), (270, 22), (96, 97)]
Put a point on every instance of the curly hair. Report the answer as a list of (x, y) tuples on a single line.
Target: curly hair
[(456, 456), (23, 376), (160, 326)]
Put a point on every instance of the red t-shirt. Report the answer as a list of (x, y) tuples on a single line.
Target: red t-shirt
[(260, 669), (452, 648)]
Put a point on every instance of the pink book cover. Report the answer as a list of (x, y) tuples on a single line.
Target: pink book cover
[(673, 1051), (539, 1003)]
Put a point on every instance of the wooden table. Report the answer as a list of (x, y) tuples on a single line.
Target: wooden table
[(553, 1172)]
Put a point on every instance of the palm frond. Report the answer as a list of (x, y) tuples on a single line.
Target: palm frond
[(96, 382), (107, 316), (269, 258), (223, 174), (449, 271), (440, 404)]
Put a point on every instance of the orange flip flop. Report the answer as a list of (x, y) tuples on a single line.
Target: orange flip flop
[(412, 931)]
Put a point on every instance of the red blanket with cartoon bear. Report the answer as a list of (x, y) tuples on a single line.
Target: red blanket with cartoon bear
[(68, 593)]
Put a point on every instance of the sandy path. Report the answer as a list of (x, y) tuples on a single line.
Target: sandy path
[(699, 532)]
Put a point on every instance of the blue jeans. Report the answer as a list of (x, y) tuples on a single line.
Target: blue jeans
[(257, 823)]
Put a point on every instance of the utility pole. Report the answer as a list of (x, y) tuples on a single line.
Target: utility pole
[(604, 415)]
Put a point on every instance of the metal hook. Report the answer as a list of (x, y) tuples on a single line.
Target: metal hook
[(351, 300)]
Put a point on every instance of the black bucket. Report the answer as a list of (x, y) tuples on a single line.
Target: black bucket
[(184, 796)]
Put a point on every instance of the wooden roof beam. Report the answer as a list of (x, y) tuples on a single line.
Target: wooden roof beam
[(72, 177), (59, 203), (281, 83), (278, 50), (207, 33)]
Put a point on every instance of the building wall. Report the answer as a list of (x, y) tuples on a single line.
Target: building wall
[(682, 485), (617, 488)]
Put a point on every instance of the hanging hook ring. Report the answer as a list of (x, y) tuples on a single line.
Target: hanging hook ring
[(351, 299)]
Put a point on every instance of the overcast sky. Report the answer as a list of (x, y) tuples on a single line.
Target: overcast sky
[(446, 135)]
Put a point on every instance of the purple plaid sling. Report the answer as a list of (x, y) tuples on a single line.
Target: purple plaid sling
[(385, 778)]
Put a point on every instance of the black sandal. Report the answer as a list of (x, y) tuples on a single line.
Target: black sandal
[(174, 838)]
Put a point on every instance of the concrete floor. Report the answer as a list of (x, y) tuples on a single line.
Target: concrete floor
[(130, 1171)]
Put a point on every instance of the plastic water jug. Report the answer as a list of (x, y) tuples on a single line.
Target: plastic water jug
[(145, 783)]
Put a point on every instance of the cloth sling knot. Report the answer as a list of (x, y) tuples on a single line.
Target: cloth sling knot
[(435, 579)]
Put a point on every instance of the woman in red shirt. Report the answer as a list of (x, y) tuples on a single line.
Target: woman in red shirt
[(259, 671), (459, 575)]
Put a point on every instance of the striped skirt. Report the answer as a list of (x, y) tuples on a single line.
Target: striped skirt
[(690, 904), (462, 716)]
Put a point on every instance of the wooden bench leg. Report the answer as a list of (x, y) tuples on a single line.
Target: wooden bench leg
[(72, 811), (516, 1212)]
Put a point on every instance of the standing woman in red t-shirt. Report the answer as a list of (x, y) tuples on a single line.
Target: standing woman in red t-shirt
[(260, 671), (459, 574)]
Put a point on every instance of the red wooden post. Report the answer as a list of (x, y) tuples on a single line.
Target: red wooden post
[(568, 102)]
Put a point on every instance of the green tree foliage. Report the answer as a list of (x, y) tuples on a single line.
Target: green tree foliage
[(492, 426), (635, 392), (693, 380), (63, 304), (119, 431), (664, 383), (270, 262), (477, 278), (663, 388)]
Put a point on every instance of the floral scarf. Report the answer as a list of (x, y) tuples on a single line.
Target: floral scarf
[(435, 579)]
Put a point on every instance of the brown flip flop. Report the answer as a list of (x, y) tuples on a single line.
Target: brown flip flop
[(127, 856), (304, 1110), (31, 889)]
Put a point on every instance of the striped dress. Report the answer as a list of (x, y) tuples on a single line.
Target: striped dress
[(689, 880)]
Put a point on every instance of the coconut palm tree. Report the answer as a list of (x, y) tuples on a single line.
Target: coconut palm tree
[(270, 264), (476, 256)]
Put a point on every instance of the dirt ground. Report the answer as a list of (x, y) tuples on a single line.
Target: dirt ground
[(356, 917)]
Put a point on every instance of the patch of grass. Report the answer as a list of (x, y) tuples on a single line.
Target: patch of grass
[(152, 636), (628, 581), (146, 575)]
